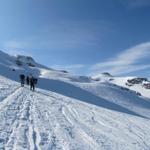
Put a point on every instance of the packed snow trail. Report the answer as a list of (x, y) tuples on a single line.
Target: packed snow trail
[(10, 114), (44, 120)]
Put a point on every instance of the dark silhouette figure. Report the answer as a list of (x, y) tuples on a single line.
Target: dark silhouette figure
[(32, 83), (22, 79), (27, 80)]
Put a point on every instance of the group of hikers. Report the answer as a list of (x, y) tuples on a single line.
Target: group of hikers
[(30, 80)]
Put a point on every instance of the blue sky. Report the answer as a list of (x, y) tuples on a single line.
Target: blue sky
[(86, 37)]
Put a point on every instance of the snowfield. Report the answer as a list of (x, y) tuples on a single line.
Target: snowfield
[(68, 112)]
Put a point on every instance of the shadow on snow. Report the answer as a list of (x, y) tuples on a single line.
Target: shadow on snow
[(72, 91)]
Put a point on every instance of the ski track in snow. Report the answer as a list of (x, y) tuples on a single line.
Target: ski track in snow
[(44, 120)]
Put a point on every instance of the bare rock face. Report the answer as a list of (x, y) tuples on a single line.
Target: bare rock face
[(25, 58), (22, 60), (137, 81), (104, 75), (63, 71), (107, 74), (146, 85), (143, 81)]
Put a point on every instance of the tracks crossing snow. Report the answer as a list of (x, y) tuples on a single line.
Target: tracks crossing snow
[(16, 122), (48, 121)]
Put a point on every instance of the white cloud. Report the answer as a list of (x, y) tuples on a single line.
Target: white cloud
[(19, 52), (14, 44), (129, 60), (74, 68), (73, 34), (68, 35), (15, 47)]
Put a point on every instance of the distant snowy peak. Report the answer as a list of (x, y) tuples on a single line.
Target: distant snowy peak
[(103, 76), (19, 60), (107, 74), (5, 58), (25, 58)]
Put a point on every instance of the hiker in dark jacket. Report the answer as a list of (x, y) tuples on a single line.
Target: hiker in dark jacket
[(32, 83), (27, 80), (22, 79)]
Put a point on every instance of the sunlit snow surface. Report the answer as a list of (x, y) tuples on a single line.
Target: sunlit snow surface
[(69, 112)]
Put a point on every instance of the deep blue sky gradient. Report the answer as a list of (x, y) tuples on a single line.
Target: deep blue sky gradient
[(63, 33)]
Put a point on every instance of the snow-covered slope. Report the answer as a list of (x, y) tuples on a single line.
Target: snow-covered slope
[(68, 112), (137, 84), (142, 87)]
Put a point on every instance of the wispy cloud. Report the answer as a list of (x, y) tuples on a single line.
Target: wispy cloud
[(13, 44), (63, 35), (129, 60), (74, 34), (74, 68), (133, 4), (15, 47)]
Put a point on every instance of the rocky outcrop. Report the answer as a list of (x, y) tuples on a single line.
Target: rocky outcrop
[(136, 81)]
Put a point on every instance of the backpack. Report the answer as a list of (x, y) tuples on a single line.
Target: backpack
[(35, 81), (22, 76)]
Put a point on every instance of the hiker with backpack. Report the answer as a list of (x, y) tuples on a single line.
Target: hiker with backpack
[(33, 81), (22, 79), (27, 80)]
